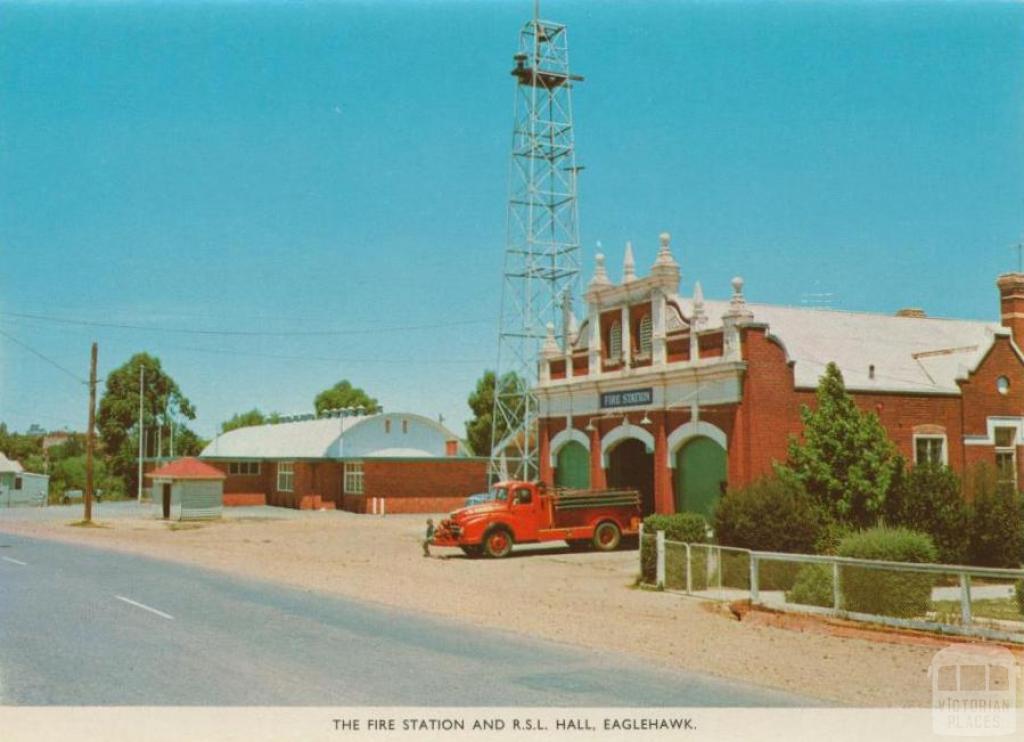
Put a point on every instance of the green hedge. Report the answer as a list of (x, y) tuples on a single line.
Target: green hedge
[(769, 515), (1020, 596), (885, 592), (686, 527), (813, 586), (996, 533), (929, 498)]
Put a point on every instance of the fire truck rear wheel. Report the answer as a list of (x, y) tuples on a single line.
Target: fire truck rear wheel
[(607, 536), (498, 543)]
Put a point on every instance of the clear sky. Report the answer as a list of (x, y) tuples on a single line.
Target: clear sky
[(272, 167)]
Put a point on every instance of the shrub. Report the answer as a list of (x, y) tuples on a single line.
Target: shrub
[(832, 534), (689, 528), (887, 592), (813, 586), (686, 527), (996, 529), (1020, 596), (768, 515), (928, 498)]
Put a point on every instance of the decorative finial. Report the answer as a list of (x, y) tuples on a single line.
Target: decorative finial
[(665, 252), (698, 306), (600, 274), (738, 303), (628, 264), (550, 349), (737, 287)]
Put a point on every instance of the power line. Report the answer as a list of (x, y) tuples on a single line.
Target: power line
[(239, 333), (45, 357), (219, 351)]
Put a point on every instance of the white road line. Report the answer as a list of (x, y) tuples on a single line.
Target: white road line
[(145, 607), (15, 561)]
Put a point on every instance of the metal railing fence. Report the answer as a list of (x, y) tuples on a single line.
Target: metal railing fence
[(947, 598)]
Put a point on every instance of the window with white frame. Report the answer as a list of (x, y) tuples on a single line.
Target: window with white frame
[(615, 341), (1006, 454), (244, 468), (285, 476), (930, 449), (354, 477), (645, 336)]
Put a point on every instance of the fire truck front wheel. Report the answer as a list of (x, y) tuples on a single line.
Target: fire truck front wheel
[(498, 543), (607, 536)]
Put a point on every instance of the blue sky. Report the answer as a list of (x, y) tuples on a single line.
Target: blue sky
[(272, 167)]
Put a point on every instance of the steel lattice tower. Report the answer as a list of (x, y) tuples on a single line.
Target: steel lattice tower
[(542, 262)]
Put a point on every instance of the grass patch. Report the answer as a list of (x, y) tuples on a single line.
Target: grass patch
[(88, 524), (183, 526), (1001, 609)]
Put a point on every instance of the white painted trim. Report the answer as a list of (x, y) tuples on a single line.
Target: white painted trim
[(564, 436), (684, 433), (615, 436), (932, 436), (989, 439)]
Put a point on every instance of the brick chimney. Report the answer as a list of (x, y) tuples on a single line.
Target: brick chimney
[(1011, 303)]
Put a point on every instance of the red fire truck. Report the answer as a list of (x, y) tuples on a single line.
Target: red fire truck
[(526, 512)]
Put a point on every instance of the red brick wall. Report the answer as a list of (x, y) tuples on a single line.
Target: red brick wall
[(426, 478), (758, 428)]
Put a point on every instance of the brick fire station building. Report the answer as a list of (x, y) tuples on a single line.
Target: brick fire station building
[(386, 463), (680, 396)]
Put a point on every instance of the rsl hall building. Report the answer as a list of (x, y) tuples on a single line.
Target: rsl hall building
[(680, 396)]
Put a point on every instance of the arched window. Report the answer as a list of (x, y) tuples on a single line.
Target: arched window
[(645, 336), (615, 341)]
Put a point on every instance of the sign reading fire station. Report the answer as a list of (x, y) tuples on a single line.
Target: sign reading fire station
[(628, 398)]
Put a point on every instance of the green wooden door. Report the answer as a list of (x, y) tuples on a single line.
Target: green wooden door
[(700, 475), (573, 468)]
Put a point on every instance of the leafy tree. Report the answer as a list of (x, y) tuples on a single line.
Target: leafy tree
[(118, 417), (928, 498), (769, 515), (996, 528), (19, 446), (845, 460), (481, 402), (343, 394), (248, 419)]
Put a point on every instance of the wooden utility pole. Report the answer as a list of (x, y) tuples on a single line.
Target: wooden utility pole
[(90, 437)]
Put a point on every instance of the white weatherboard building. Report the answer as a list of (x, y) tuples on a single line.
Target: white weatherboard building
[(19, 487)]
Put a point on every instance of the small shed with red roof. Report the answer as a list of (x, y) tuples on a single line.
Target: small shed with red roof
[(188, 489)]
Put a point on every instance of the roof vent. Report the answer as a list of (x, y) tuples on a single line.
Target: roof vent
[(913, 312)]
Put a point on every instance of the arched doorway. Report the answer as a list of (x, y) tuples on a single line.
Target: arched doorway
[(630, 465), (572, 466), (701, 472)]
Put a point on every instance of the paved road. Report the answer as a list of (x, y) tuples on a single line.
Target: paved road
[(81, 626)]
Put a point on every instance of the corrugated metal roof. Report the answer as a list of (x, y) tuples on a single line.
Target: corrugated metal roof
[(909, 354), (303, 439), (8, 466), (335, 437), (188, 467)]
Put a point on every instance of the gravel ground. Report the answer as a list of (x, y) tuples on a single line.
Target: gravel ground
[(583, 599)]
